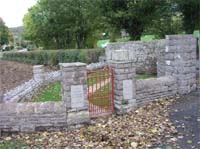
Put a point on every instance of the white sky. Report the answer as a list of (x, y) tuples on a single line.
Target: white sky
[(13, 11)]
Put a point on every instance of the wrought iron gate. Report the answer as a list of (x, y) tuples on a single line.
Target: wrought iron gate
[(100, 92)]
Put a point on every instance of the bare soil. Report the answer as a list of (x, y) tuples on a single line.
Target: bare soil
[(13, 74)]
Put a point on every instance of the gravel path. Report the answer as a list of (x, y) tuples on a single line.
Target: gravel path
[(185, 115)]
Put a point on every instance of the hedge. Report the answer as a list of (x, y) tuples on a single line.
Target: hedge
[(53, 57)]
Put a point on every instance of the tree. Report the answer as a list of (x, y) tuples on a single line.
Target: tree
[(5, 34), (170, 21), (133, 15), (61, 23), (190, 10)]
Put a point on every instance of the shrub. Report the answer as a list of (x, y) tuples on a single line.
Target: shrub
[(53, 57)]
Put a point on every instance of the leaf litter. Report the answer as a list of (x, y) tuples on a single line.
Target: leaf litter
[(147, 127)]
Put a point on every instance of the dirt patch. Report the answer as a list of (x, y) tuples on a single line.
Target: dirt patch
[(13, 74)]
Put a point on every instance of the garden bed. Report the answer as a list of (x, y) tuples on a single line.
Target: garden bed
[(14, 74)]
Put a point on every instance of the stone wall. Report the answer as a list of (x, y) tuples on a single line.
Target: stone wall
[(150, 89), (74, 92), (143, 54), (130, 93), (124, 85), (72, 112), (31, 117), (27, 90), (179, 61), (176, 72)]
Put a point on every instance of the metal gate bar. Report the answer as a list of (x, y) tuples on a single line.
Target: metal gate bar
[(100, 92)]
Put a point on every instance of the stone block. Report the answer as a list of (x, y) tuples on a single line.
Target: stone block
[(78, 116)]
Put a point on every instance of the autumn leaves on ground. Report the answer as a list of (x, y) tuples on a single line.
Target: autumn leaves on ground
[(147, 127)]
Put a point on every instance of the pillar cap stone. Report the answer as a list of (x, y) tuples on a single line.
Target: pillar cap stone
[(77, 64)]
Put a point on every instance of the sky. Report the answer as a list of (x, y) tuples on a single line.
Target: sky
[(13, 11)]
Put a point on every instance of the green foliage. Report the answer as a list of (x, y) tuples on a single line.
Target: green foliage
[(62, 23), (53, 57), (67, 24), (5, 34), (191, 14), (133, 16)]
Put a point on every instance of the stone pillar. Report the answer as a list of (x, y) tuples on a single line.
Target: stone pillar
[(74, 92), (1, 92), (124, 82), (180, 61), (38, 72)]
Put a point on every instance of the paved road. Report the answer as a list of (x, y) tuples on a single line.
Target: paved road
[(185, 114)]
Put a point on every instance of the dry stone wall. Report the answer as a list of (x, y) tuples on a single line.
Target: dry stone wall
[(31, 117), (179, 61), (150, 89), (124, 85), (143, 54), (176, 71), (74, 92), (72, 112)]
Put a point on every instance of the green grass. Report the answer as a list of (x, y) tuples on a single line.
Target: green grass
[(144, 76), (143, 38), (123, 39), (147, 38), (196, 33), (13, 144), (102, 97), (50, 93), (93, 79), (53, 92), (101, 42)]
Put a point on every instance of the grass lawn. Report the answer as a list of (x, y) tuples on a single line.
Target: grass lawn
[(143, 38), (196, 33), (101, 97), (102, 42), (147, 38), (13, 144), (50, 93), (144, 76), (93, 79)]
